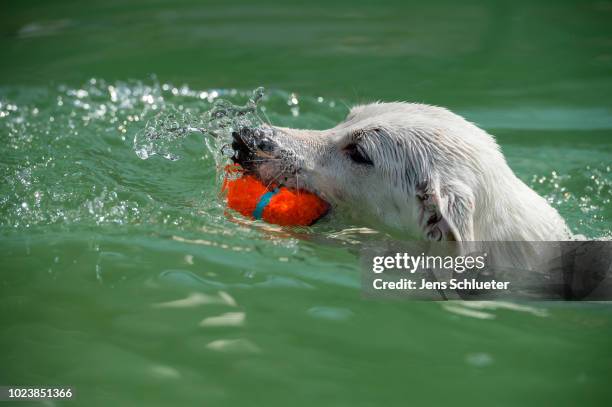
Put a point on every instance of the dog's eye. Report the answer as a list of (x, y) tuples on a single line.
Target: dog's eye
[(356, 153)]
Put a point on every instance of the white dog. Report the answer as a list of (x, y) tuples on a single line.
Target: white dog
[(416, 168)]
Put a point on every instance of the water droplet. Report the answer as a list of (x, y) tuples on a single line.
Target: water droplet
[(228, 151)]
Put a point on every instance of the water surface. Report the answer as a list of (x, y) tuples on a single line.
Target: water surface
[(127, 279)]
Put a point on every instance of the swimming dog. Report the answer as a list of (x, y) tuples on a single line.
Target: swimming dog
[(418, 169)]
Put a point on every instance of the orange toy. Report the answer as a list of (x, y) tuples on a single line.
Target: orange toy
[(282, 206)]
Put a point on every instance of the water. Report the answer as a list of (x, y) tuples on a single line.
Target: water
[(168, 129), (128, 279)]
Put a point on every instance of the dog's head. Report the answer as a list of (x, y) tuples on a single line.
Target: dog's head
[(415, 167)]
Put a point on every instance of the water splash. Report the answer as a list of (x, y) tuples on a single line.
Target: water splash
[(164, 134), (69, 157)]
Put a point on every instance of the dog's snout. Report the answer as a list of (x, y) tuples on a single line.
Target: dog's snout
[(242, 152), (265, 144), (239, 144), (247, 143), (253, 140)]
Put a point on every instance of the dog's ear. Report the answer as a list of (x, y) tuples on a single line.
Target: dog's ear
[(446, 212)]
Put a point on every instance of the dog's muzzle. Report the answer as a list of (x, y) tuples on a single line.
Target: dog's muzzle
[(251, 146)]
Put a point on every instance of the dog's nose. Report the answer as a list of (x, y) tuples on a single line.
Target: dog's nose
[(265, 143), (240, 142), (248, 142), (243, 153)]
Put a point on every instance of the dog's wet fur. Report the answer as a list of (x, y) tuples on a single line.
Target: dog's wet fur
[(418, 169)]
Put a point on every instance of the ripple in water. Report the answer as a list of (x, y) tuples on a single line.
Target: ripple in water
[(582, 195)]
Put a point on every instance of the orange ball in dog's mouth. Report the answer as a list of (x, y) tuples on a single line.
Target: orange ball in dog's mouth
[(283, 206)]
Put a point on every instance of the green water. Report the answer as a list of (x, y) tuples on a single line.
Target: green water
[(124, 278)]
